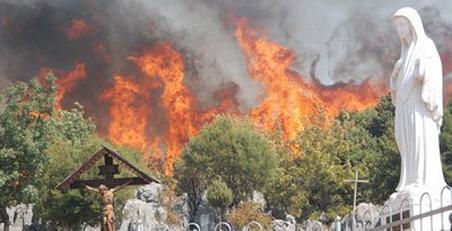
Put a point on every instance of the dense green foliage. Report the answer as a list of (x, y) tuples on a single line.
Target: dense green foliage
[(25, 110), (230, 149), (218, 194), (312, 180), (312, 169), (384, 165), (446, 143), (39, 148), (69, 146)]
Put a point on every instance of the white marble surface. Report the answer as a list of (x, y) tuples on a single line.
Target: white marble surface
[(416, 90)]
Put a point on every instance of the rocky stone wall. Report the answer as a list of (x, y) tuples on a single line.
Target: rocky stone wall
[(147, 212)]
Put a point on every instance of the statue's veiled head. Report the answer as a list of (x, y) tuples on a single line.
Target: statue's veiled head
[(408, 24)]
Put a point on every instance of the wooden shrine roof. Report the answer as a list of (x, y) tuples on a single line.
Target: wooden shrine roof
[(72, 180)]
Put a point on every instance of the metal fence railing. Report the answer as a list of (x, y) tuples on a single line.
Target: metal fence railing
[(429, 216)]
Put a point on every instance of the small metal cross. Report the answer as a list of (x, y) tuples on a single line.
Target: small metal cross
[(355, 194)]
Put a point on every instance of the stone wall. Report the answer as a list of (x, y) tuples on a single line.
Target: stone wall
[(20, 217)]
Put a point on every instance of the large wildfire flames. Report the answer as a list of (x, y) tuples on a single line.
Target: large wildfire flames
[(153, 109), (287, 99)]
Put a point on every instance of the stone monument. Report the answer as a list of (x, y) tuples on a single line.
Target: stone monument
[(416, 91)]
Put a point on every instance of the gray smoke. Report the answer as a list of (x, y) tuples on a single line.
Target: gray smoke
[(352, 40), (343, 40)]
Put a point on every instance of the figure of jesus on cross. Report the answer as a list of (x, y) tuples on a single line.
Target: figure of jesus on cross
[(109, 185), (108, 199)]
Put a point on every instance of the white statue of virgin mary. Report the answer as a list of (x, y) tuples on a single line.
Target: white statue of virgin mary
[(416, 90)]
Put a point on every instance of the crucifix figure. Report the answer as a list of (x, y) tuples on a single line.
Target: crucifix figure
[(108, 199), (109, 184)]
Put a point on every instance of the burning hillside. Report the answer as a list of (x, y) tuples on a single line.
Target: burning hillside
[(152, 89), (287, 99)]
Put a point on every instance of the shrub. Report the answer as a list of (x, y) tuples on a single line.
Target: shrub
[(247, 212), (218, 194)]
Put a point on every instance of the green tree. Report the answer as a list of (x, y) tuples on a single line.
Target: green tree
[(286, 194), (232, 149), (71, 141), (25, 109), (38, 148), (384, 166), (190, 181), (311, 178), (322, 170), (71, 125), (219, 195), (446, 143)]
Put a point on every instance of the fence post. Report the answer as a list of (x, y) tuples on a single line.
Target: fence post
[(383, 215), (310, 224), (368, 215), (442, 203), (220, 224), (194, 224), (247, 227), (401, 211), (431, 208)]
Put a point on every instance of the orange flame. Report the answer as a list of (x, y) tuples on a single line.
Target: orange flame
[(163, 67), (448, 91), (227, 103), (66, 81), (287, 99), (101, 52), (165, 63), (128, 114), (77, 29), (446, 59)]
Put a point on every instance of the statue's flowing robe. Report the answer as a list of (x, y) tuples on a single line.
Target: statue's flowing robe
[(416, 92)]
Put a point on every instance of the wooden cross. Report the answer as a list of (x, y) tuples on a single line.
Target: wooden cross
[(107, 186), (108, 170)]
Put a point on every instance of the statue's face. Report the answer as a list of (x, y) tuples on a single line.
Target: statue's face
[(403, 28), (102, 188)]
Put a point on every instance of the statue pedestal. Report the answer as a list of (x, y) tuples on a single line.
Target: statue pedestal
[(415, 200)]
